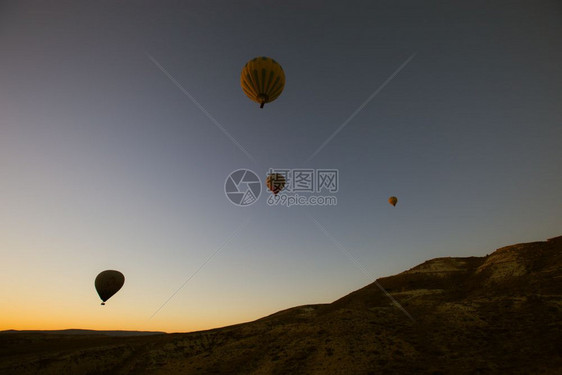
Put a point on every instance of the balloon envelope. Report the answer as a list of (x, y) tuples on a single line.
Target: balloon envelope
[(275, 182), (393, 200), (262, 80), (108, 283)]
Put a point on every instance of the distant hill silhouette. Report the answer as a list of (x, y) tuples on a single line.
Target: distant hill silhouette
[(499, 314), (88, 332)]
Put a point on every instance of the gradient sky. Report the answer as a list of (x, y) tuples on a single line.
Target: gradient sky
[(106, 164)]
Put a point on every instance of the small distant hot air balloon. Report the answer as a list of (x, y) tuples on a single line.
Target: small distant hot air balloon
[(262, 80), (275, 182), (393, 200), (108, 283)]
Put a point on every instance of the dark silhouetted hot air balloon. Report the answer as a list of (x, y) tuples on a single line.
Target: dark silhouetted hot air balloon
[(262, 80), (108, 283), (393, 200), (275, 182)]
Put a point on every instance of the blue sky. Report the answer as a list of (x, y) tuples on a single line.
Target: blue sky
[(107, 164)]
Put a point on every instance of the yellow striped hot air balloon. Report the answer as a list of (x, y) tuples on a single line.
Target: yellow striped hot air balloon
[(262, 80)]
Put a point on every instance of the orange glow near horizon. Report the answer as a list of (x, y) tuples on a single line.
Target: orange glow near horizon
[(22, 319), (27, 311)]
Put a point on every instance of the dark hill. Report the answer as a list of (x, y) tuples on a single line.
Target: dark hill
[(499, 314), (88, 332)]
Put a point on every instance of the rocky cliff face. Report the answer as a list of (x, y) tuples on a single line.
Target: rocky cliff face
[(478, 315)]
